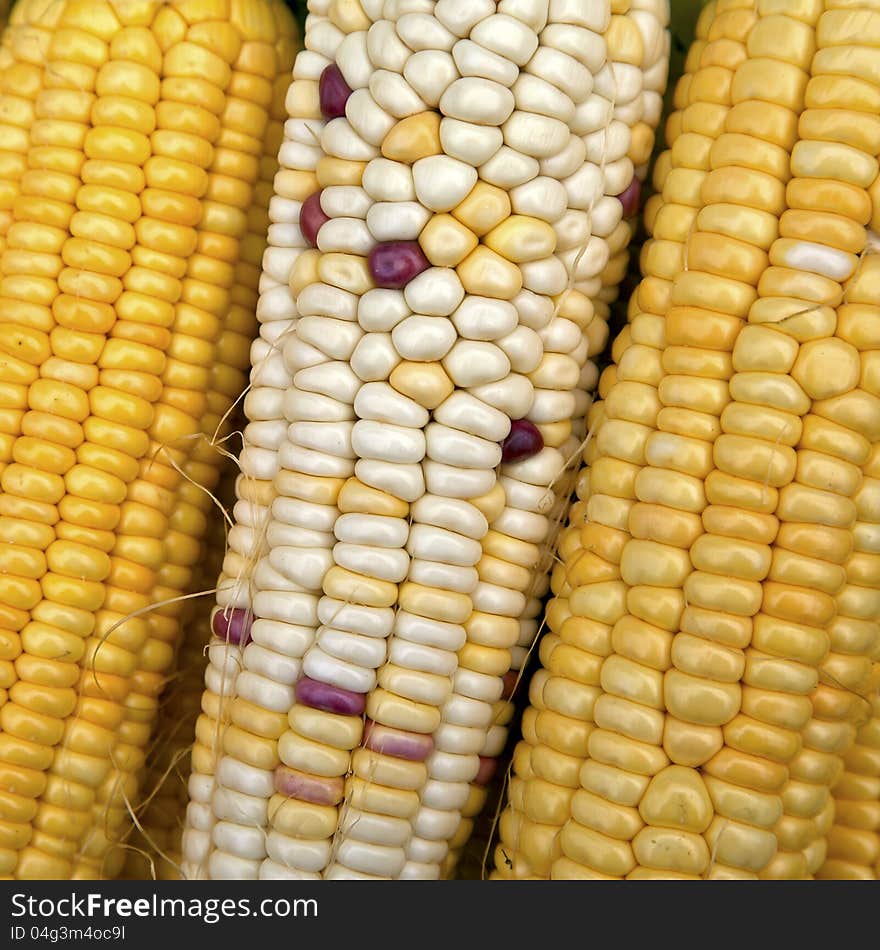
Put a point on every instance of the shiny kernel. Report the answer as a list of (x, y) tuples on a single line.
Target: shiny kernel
[(446, 242), (485, 207), (521, 239), (413, 138)]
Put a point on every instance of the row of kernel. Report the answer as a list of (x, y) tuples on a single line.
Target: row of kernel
[(643, 115), (845, 417), (750, 741), (553, 418), (505, 168), (292, 558), (853, 843), (145, 327), (847, 674), (354, 612)]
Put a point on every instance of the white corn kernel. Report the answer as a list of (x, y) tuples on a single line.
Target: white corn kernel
[(512, 395), (461, 16), (461, 580), (396, 220), (421, 31), (477, 100), (442, 182), (395, 95), (508, 168), (427, 541), (473, 144), (382, 403), (368, 652), (422, 338), (430, 73), (454, 447), (374, 357), (371, 122), (435, 633), (377, 530), (464, 411), (381, 440), (380, 310), (369, 621), (386, 49), (475, 363), (385, 180), (506, 36), (453, 514), (404, 481), (472, 59), (454, 482)]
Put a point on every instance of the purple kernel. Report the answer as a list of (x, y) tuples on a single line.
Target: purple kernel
[(312, 218), (488, 768), (333, 91), (332, 699), (395, 263), (395, 742), (232, 625), (523, 442), (631, 198)]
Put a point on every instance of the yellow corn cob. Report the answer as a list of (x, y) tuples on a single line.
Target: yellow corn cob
[(115, 296), (692, 619), (380, 563)]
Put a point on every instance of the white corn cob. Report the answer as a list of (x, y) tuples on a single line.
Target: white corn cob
[(386, 549)]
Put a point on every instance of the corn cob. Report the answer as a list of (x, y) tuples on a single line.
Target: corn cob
[(693, 651), (382, 561), (115, 295)]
